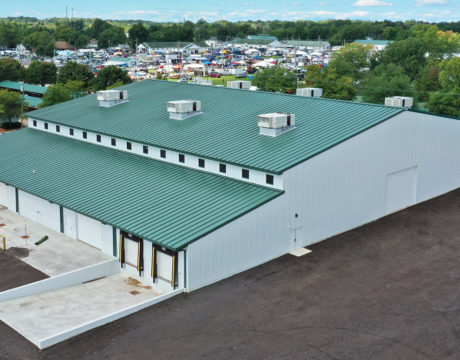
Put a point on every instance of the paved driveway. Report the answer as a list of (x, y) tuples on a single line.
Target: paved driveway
[(388, 290), (57, 255)]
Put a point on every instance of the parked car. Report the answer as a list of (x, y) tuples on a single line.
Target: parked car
[(214, 75)]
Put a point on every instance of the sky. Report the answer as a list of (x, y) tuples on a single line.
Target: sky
[(234, 10)]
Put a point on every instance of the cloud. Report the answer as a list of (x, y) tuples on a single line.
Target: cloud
[(430, 2), (353, 14), (372, 3)]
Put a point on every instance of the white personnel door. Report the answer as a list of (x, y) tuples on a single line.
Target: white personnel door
[(401, 189)]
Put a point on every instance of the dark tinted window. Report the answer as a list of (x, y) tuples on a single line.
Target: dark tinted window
[(181, 158), (129, 146), (35, 122), (58, 128), (145, 149), (201, 163), (269, 179), (46, 126), (114, 142), (85, 135), (223, 168), (163, 154), (245, 173), (98, 138)]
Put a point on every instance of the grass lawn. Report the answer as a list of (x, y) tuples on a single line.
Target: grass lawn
[(220, 81)]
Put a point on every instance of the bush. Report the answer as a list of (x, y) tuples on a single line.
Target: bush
[(9, 126)]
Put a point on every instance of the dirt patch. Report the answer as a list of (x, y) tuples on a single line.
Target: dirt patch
[(14, 273), (133, 282), (18, 252)]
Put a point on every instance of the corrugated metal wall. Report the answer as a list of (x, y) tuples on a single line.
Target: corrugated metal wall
[(39, 210), (333, 192)]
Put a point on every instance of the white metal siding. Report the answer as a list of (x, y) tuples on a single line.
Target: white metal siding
[(89, 230), (3, 194), (401, 189), (39, 210), (333, 192), (11, 199), (107, 239)]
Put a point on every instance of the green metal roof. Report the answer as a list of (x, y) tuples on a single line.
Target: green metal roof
[(314, 43), (32, 100), (374, 42), (173, 44), (167, 204), (13, 85), (227, 129), (262, 37)]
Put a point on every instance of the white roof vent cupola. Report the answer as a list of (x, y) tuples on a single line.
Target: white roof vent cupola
[(109, 98), (183, 109), (275, 124), (309, 92)]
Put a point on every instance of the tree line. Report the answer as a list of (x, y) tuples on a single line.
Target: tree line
[(41, 35), (421, 66)]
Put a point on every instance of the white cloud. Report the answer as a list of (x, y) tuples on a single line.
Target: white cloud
[(372, 3), (430, 2), (353, 14)]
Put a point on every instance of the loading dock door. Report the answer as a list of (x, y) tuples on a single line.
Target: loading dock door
[(131, 253), (165, 266)]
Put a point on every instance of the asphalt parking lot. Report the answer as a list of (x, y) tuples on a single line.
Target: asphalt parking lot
[(387, 290)]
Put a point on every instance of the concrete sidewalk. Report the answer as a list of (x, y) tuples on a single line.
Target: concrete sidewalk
[(59, 254), (42, 316)]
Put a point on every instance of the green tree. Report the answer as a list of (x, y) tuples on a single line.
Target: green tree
[(427, 81), (351, 60), (41, 42), (9, 69), (55, 94), (333, 85), (76, 88), (138, 33), (447, 100), (109, 76), (9, 36), (11, 103), (383, 81), (276, 79), (41, 72), (112, 37), (74, 71)]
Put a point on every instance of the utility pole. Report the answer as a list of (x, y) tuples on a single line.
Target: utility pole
[(66, 14)]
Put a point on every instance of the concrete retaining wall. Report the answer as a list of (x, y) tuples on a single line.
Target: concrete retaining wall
[(52, 340), (76, 277)]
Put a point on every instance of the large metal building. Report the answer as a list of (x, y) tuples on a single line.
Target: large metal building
[(188, 192)]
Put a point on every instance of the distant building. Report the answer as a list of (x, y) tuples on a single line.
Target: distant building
[(378, 45), (62, 45), (92, 44), (189, 48)]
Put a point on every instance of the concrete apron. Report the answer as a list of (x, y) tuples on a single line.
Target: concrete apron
[(48, 318), (57, 255)]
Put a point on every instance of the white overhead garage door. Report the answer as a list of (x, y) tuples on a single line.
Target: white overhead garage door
[(89, 230), (3, 194), (165, 266)]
